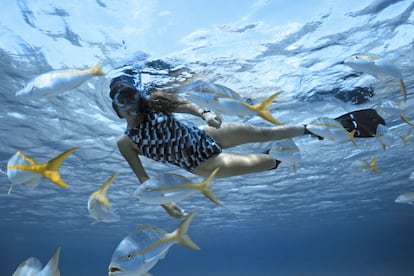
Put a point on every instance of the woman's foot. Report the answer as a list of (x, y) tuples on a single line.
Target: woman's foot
[(174, 210)]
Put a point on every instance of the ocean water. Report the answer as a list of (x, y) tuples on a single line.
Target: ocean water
[(323, 217)]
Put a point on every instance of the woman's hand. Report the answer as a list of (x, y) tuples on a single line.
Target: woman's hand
[(211, 119)]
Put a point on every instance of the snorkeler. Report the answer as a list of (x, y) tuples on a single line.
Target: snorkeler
[(154, 132)]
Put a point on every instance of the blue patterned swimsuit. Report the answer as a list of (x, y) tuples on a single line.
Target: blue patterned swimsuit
[(161, 137)]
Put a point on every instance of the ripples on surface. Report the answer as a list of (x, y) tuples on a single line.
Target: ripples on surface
[(300, 58)]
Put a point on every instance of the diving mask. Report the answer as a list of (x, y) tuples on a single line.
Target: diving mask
[(127, 98)]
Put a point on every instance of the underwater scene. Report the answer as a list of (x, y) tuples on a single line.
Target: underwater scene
[(339, 200)]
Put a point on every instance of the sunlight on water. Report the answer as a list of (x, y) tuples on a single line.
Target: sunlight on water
[(297, 49)]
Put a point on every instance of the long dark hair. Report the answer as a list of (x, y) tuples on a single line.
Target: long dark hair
[(163, 97)]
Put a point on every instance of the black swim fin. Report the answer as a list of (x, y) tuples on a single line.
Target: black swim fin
[(364, 121)]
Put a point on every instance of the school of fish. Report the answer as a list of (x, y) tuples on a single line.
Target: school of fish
[(140, 251)]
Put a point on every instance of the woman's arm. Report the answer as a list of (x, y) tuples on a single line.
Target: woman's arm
[(190, 109), (211, 119), (130, 152)]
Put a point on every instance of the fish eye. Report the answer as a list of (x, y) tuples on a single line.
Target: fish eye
[(129, 256)]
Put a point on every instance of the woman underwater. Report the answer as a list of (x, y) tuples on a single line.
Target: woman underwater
[(154, 132)]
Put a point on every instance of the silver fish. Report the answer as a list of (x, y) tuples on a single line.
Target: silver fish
[(140, 251), (169, 187), (33, 267), (99, 205), (58, 81)]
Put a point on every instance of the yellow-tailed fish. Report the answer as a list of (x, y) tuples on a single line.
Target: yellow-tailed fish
[(58, 81), (363, 164), (169, 187), (286, 151), (410, 124), (99, 205), (32, 266), (331, 129), (22, 169), (376, 66), (140, 251), (233, 107), (406, 198)]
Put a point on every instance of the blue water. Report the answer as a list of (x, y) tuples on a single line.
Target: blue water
[(322, 218)]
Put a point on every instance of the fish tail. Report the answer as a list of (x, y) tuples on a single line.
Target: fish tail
[(53, 264), (262, 108), (373, 164), (51, 168), (97, 70), (352, 137), (405, 119), (182, 237), (205, 187), (101, 193), (403, 89)]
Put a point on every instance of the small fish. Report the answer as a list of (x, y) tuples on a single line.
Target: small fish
[(140, 251), (169, 187), (58, 81), (384, 137), (376, 66), (22, 169), (407, 198), (410, 124), (234, 107), (32, 266), (363, 164), (99, 205), (286, 151), (331, 129)]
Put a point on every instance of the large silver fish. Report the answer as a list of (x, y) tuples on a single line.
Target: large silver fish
[(22, 169), (376, 66), (170, 187), (58, 81), (142, 249), (406, 198), (223, 105), (33, 267)]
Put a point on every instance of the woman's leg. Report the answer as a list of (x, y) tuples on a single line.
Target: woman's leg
[(233, 134), (231, 164)]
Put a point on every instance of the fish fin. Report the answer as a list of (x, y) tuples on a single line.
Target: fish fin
[(373, 164), (52, 267), (181, 232), (101, 193), (262, 108), (10, 189), (31, 161), (405, 119), (97, 70), (403, 89), (51, 168), (205, 187)]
